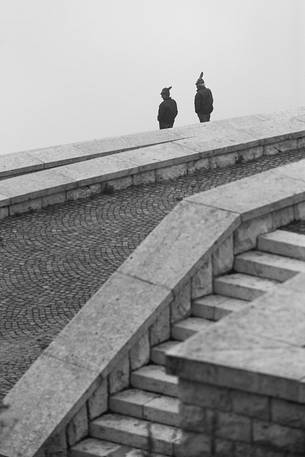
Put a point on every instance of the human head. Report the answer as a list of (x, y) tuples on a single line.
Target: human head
[(165, 92)]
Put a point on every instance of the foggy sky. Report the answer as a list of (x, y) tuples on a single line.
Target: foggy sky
[(74, 70)]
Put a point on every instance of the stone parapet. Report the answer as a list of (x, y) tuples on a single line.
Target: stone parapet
[(36, 179)]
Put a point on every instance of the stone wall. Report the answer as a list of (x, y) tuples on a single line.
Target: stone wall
[(71, 172), (94, 355)]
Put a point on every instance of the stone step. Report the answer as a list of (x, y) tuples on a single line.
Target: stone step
[(146, 405), (138, 433), (92, 447), (283, 242), (214, 307), (187, 327), (270, 266), (158, 352), (154, 379), (242, 286)]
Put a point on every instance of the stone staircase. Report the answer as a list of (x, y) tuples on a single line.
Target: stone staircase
[(144, 419)]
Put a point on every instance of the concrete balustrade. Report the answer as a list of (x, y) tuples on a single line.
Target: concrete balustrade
[(114, 332)]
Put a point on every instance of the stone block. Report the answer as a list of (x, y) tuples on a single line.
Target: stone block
[(281, 146), (287, 413), (223, 257), (196, 419), (202, 281), (277, 436), (252, 153), (173, 252), (181, 305), (299, 211), (119, 377), (146, 177), (223, 160), (53, 199), (224, 448), (56, 445), (205, 395), (160, 329), (4, 211), (78, 193), (301, 142), (246, 234), (233, 427), (196, 165), (282, 217), (251, 405), (24, 207), (120, 183), (193, 445), (98, 402), (78, 426), (163, 174), (95, 189), (140, 352)]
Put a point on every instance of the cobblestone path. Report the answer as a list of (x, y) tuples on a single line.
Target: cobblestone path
[(52, 261)]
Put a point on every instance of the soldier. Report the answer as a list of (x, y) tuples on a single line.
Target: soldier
[(167, 110), (203, 100)]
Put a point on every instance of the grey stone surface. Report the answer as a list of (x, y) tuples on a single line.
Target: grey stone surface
[(35, 185), (96, 338), (157, 262), (283, 243), (40, 402), (256, 196)]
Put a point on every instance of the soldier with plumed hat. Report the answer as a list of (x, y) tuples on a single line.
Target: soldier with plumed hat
[(167, 109), (203, 100)]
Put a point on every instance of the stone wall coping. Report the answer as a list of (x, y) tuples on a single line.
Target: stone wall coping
[(216, 137), (259, 349), (259, 194)]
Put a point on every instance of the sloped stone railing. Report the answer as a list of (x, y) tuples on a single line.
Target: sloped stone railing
[(91, 168), (93, 356)]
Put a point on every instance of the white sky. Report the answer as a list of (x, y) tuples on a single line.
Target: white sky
[(74, 70)]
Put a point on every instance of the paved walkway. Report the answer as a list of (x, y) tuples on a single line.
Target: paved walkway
[(53, 260)]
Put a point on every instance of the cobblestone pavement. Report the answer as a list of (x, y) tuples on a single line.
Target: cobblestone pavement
[(53, 260)]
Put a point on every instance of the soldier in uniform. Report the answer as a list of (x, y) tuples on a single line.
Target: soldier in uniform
[(167, 110), (203, 100)]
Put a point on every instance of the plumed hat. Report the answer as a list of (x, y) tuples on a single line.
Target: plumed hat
[(200, 80), (166, 90)]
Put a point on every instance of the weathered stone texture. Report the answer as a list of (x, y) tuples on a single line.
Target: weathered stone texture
[(140, 352), (98, 402), (246, 235), (283, 438), (252, 405), (202, 281), (172, 172), (205, 395), (181, 305), (119, 377), (233, 427), (193, 445), (160, 330), (78, 426), (223, 257), (196, 419)]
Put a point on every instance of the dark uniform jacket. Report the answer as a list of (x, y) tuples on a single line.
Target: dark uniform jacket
[(203, 101), (167, 111)]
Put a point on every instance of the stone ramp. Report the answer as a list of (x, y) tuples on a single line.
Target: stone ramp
[(35, 179)]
